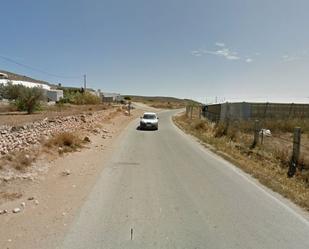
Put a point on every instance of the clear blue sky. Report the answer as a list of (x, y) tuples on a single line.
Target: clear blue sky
[(233, 49)]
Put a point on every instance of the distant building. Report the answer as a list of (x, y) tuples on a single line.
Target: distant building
[(54, 95), (111, 97)]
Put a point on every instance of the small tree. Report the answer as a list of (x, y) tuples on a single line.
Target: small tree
[(25, 98), (29, 99)]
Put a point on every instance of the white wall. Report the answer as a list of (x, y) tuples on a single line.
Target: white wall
[(25, 83)]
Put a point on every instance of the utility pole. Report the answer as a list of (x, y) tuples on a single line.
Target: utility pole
[(85, 83)]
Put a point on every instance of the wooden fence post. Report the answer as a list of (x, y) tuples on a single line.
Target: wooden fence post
[(296, 151), (200, 112), (256, 134), (191, 111), (187, 110)]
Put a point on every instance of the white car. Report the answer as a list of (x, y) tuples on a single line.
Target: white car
[(149, 120)]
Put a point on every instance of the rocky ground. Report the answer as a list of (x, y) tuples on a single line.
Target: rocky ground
[(38, 204)]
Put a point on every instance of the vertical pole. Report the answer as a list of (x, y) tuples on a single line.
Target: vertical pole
[(129, 108), (296, 144), (256, 134), (199, 112), (85, 83), (296, 152), (191, 111)]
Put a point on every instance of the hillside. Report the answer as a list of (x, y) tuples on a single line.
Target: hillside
[(161, 101), (15, 76)]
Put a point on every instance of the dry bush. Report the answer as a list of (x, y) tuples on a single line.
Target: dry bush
[(200, 125), (220, 129), (303, 176), (22, 160), (232, 133), (66, 140), (282, 155)]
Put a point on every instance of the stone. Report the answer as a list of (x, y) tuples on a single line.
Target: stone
[(96, 130), (87, 139), (4, 211), (23, 204), (16, 210), (66, 172), (60, 149)]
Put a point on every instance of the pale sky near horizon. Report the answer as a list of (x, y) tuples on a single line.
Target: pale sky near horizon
[(237, 50)]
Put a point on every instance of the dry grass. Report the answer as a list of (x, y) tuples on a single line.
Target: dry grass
[(6, 107), (10, 196), (65, 142), (19, 160), (61, 143), (270, 168), (277, 125)]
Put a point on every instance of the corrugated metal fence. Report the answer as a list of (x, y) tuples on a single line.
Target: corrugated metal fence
[(245, 110)]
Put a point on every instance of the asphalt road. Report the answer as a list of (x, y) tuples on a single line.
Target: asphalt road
[(163, 190)]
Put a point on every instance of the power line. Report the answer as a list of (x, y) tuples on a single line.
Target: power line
[(37, 69)]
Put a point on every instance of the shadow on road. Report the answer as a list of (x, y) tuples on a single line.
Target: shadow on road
[(138, 128)]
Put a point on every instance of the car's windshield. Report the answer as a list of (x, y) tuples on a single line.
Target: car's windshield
[(149, 116)]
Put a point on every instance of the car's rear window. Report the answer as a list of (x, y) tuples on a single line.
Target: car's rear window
[(149, 116)]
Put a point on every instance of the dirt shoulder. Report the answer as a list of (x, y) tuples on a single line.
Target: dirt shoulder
[(49, 201), (267, 169)]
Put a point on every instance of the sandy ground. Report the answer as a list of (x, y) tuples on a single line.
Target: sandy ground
[(21, 118), (53, 199)]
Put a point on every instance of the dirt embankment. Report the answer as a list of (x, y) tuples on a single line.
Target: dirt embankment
[(38, 202)]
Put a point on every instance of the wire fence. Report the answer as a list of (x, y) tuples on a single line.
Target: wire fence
[(293, 145)]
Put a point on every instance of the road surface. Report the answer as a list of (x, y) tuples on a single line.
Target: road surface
[(163, 190)]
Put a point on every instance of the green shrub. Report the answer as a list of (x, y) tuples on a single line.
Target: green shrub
[(25, 98), (29, 99), (85, 99), (80, 98)]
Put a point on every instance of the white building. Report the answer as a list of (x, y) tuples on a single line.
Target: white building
[(51, 94), (24, 83)]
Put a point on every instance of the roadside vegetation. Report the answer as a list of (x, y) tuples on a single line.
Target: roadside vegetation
[(79, 97), (61, 143), (23, 98), (65, 142), (267, 162)]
